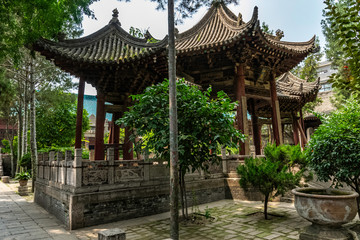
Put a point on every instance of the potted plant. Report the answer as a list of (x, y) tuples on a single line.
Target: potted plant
[(23, 178), (334, 154), (334, 149)]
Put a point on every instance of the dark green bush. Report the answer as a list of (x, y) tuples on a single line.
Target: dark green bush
[(275, 174), (334, 149)]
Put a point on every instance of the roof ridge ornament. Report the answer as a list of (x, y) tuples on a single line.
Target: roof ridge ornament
[(279, 34), (239, 19), (115, 16)]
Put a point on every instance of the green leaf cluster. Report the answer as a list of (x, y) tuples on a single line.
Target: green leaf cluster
[(341, 27), (24, 21), (275, 174), (203, 124), (334, 149), (23, 176), (56, 119)]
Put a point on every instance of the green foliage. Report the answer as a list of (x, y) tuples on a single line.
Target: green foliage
[(24, 21), (56, 120), (266, 28), (25, 161), (307, 69), (23, 176), (207, 213), (203, 124), (85, 153), (341, 28), (274, 174), (334, 149)]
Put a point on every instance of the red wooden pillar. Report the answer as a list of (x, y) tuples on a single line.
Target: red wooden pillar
[(241, 113), (256, 134), (275, 113), (295, 129), (99, 128), (128, 146), (79, 113), (116, 135)]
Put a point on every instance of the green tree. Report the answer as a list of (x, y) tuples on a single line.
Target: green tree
[(274, 174), (307, 70), (204, 125), (334, 149), (341, 28), (56, 119), (24, 21), (185, 9)]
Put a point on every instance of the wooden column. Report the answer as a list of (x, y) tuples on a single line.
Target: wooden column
[(256, 134), (116, 135), (275, 113), (79, 113), (295, 129), (256, 128), (127, 153), (241, 113), (99, 128)]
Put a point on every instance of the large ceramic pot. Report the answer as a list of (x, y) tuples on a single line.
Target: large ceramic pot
[(23, 182), (328, 207)]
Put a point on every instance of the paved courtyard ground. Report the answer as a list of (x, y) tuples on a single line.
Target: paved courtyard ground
[(20, 219)]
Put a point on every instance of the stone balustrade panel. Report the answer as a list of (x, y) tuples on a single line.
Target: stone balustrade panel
[(94, 172), (129, 170)]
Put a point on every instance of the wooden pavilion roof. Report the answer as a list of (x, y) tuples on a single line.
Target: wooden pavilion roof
[(293, 93), (221, 27), (118, 64)]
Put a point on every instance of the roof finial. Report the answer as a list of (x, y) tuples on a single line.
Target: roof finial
[(239, 19), (115, 13), (279, 34), (115, 16)]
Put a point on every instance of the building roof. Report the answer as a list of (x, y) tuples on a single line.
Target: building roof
[(293, 93), (110, 45), (220, 27), (291, 86)]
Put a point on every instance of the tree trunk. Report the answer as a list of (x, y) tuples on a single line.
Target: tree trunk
[(19, 140), (182, 196), (266, 205), (10, 138), (174, 155), (33, 146), (185, 197), (25, 123)]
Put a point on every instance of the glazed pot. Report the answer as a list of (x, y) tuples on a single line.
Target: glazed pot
[(23, 182), (327, 207)]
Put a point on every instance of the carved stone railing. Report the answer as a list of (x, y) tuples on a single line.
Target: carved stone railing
[(61, 170)]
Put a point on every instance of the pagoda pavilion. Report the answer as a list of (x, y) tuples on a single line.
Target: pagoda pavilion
[(221, 50)]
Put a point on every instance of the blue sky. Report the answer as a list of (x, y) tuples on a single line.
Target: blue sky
[(299, 19)]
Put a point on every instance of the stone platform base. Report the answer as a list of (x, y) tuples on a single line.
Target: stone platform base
[(317, 232), (5, 179), (23, 190)]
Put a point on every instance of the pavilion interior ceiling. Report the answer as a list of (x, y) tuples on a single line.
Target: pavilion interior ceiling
[(118, 64)]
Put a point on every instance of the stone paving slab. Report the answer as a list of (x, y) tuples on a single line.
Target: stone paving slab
[(233, 220), (20, 219)]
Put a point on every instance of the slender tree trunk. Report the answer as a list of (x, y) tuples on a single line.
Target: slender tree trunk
[(174, 155), (33, 146), (19, 140), (10, 138), (185, 197), (182, 196), (25, 122), (266, 206)]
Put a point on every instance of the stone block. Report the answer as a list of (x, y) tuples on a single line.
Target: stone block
[(23, 190), (112, 234), (5, 179)]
